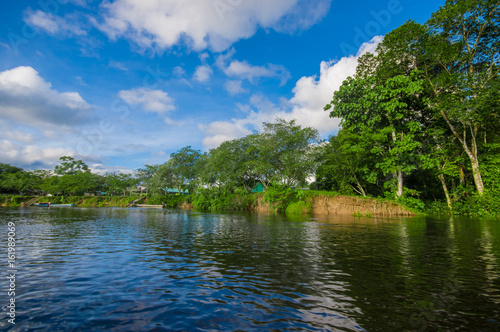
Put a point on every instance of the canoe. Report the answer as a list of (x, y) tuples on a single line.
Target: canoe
[(53, 205)]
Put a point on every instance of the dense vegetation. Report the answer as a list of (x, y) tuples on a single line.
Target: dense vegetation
[(420, 124), (420, 119)]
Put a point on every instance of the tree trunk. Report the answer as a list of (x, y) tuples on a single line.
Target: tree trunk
[(399, 176), (446, 192), (360, 187), (476, 172), (472, 154)]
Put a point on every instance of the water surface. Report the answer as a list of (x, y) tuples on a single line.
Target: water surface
[(111, 269)]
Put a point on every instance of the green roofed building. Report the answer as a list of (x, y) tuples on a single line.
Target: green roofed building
[(173, 191), (259, 188)]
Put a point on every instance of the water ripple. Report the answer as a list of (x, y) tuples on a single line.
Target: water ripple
[(139, 270)]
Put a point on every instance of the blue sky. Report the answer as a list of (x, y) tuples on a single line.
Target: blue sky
[(124, 83)]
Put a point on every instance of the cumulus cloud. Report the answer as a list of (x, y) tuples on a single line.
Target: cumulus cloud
[(311, 94), (202, 73), (202, 24), (156, 101), (54, 25), (27, 98), (26, 155)]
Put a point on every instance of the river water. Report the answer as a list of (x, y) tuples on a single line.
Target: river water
[(111, 269)]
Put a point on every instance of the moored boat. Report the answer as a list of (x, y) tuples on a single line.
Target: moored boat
[(47, 204)]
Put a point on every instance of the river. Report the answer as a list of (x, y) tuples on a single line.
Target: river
[(112, 269)]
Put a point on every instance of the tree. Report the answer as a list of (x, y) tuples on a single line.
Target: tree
[(457, 51), (385, 107), (145, 177), (347, 164), (119, 182), (285, 153), (231, 165), (462, 66), (70, 166), (182, 167)]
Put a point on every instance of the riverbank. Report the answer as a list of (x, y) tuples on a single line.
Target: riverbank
[(313, 203)]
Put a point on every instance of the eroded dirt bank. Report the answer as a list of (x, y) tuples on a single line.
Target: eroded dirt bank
[(344, 205)]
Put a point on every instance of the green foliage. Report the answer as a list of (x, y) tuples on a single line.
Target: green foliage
[(299, 207), (357, 214), (487, 205), (412, 202), (119, 183), (423, 112), (70, 166), (182, 167), (170, 201), (220, 200), (231, 165), (279, 197), (346, 164), (286, 153), (285, 199), (12, 201)]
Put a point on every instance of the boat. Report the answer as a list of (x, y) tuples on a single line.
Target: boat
[(149, 206), (53, 205)]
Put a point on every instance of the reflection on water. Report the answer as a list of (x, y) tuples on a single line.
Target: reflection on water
[(161, 270)]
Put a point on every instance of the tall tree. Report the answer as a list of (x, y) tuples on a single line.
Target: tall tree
[(119, 182), (286, 153), (182, 165), (457, 51), (70, 166), (347, 164), (462, 66), (231, 164), (388, 108)]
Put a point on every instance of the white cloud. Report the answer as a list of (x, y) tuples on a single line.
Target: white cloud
[(244, 70), (234, 87), (311, 94), (221, 131), (179, 71), (27, 98), (30, 154), (203, 24), (118, 65), (156, 101), (103, 169), (174, 123), (202, 73), (54, 25), (17, 136)]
